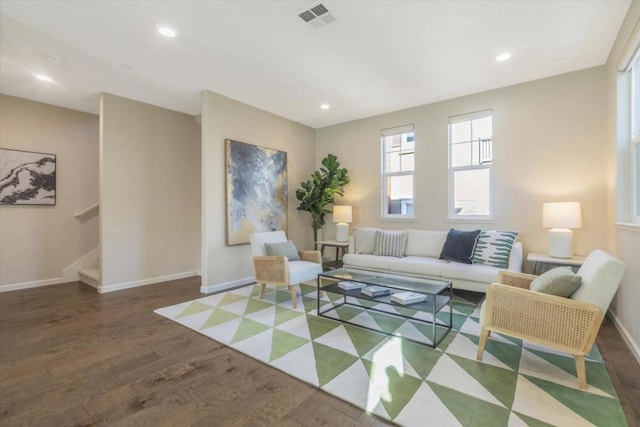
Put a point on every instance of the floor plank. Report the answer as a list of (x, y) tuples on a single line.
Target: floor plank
[(71, 356)]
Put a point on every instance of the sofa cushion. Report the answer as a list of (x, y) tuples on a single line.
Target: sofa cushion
[(369, 261), (390, 243), (364, 239), (559, 281), (459, 245), (287, 249), (473, 272), (493, 248), (425, 243), (417, 265)]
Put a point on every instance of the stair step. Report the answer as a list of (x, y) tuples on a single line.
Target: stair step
[(90, 276)]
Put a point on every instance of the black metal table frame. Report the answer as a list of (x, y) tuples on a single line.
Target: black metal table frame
[(359, 295)]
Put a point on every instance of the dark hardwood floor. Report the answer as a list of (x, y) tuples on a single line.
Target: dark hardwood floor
[(71, 356)]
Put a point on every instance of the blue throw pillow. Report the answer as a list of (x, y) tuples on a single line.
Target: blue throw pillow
[(459, 245)]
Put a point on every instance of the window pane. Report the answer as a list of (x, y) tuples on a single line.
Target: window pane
[(407, 161), (461, 154), (399, 197), (482, 128), (393, 162), (461, 132), (472, 192)]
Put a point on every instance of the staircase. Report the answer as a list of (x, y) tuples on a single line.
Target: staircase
[(90, 276)]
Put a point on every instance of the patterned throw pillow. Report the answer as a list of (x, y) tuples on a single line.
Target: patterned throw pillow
[(287, 249), (493, 248), (390, 243), (559, 281), (459, 245)]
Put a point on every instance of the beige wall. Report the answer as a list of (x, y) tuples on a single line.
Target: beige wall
[(38, 242), (224, 118), (150, 193), (548, 146), (624, 242)]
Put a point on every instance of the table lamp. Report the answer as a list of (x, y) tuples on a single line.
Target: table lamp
[(560, 218), (342, 218)]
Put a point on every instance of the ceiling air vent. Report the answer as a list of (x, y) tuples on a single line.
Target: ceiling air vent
[(317, 15)]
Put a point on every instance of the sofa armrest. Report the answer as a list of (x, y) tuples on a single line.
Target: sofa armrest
[(516, 257), (311, 256), (562, 323), (517, 280), (271, 269), (352, 245)]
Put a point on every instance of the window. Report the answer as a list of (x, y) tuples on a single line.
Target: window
[(398, 158), (635, 136), (470, 160)]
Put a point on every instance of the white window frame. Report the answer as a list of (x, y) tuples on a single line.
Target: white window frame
[(634, 138), (399, 130), (452, 169)]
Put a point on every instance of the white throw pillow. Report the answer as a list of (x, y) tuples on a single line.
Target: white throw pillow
[(365, 239), (425, 243), (390, 243)]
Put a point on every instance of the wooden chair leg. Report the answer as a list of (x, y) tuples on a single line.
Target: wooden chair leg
[(262, 286), (294, 297), (484, 334), (582, 374)]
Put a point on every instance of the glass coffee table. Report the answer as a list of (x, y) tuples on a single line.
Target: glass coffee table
[(438, 295)]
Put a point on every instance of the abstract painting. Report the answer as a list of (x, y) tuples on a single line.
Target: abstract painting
[(27, 178), (256, 190)]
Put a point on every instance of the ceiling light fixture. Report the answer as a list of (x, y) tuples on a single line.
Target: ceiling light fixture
[(44, 78), (503, 56), (325, 106), (167, 31)]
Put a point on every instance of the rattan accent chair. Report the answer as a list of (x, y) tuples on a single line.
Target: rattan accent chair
[(278, 270), (565, 324)]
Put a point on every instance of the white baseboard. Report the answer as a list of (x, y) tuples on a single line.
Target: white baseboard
[(626, 336), (208, 289), (136, 283), (28, 285)]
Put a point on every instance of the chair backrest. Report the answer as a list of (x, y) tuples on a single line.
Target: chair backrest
[(601, 273), (259, 239)]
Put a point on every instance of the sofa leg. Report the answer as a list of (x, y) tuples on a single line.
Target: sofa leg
[(262, 286), (582, 374), (484, 334), (294, 297)]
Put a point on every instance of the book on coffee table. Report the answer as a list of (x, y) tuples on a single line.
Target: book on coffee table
[(348, 286), (375, 291), (405, 298)]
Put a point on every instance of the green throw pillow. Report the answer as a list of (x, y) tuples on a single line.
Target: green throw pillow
[(560, 281), (494, 247), (287, 249)]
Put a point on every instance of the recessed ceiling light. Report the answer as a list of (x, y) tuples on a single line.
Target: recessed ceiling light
[(44, 78), (167, 31), (503, 56), (325, 106)]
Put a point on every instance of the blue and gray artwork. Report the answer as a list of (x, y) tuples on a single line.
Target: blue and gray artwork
[(27, 178), (256, 191)]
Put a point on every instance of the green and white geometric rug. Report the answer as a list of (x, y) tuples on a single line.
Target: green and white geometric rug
[(413, 385)]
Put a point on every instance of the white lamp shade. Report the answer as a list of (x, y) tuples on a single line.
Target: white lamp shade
[(342, 214), (561, 215)]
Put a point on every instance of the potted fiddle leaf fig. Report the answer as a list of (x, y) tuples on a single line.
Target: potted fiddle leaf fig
[(320, 191)]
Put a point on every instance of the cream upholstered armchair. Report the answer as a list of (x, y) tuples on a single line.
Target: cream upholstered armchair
[(279, 270), (565, 324)]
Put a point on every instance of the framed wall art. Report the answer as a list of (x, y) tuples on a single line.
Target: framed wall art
[(256, 190), (27, 178)]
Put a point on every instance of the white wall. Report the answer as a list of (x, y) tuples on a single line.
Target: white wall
[(224, 118), (150, 193), (624, 242), (38, 242), (548, 146)]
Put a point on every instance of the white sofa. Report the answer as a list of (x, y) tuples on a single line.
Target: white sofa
[(421, 260)]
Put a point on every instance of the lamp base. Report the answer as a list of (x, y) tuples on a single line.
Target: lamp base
[(342, 232), (560, 243)]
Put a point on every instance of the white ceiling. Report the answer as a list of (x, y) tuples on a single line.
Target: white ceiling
[(379, 56)]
